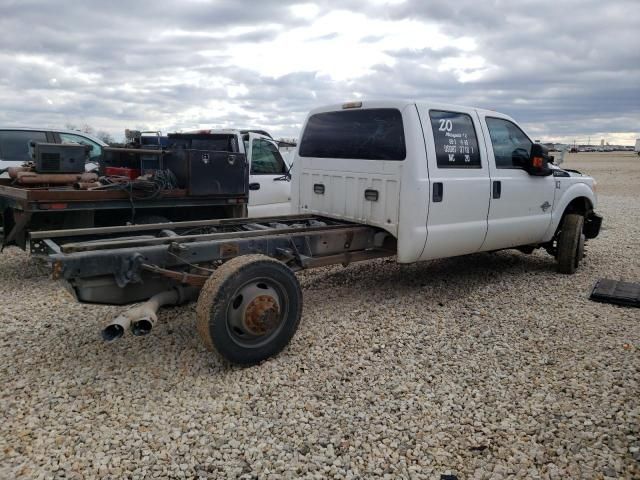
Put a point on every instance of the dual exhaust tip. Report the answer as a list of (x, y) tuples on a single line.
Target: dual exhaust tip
[(117, 328), (141, 318)]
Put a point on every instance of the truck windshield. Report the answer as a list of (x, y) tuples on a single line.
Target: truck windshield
[(370, 134)]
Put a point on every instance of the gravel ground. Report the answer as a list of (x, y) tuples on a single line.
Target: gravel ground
[(486, 366)]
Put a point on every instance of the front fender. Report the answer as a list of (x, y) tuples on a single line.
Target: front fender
[(576, 190)]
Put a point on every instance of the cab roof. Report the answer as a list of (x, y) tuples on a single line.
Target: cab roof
[(399, 104)]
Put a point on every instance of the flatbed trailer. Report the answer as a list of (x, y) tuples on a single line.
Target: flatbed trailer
[(241, 270), (25, 209)]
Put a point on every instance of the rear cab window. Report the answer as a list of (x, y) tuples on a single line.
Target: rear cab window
[(14, 144), (368, 134), (455, 140)]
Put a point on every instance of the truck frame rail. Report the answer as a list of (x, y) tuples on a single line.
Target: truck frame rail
[(98, 263)]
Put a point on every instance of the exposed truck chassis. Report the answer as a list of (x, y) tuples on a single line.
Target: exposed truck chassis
[(248, 308)]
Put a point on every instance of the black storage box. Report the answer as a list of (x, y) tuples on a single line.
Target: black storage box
[(210, 172)]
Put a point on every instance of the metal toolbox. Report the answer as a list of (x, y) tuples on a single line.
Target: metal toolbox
[(210, 172)]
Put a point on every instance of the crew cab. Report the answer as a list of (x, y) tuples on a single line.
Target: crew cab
[(444, 180), (413, 180)]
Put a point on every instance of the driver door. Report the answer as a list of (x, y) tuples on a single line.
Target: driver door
[(269, 184), (521, 204)]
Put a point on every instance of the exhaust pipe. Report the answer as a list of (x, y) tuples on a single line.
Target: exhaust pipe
[(146, 314), (115, 330), (141, 318)]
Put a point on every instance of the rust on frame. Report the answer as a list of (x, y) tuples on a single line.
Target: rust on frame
[(229, 250), (56, 271)]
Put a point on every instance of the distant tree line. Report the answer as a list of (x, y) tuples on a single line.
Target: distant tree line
[(106, 137)]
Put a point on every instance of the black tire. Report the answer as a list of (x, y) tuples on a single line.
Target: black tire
[(249, 309), (150, 219), (571, 243)]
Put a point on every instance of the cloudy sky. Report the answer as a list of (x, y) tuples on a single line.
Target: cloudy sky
[(566, 69)]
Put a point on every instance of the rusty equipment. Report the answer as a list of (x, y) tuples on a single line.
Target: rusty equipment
[(33, 178)]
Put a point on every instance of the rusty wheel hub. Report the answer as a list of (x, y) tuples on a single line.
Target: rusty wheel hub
[(262, 315), (255, 311)]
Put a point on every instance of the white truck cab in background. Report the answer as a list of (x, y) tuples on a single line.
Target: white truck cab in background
[(269, 178), (444, 180), (269, 173)]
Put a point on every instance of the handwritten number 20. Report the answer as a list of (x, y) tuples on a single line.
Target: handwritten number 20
[(445, 126)]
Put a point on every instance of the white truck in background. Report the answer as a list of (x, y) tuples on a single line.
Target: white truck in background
[(269, 173), (637, 147), (413, 180), (269, 176)]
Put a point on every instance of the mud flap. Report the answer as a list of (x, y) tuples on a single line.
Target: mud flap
[(616, 292)]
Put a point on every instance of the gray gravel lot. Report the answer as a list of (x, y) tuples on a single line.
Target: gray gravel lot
[(486, 366)]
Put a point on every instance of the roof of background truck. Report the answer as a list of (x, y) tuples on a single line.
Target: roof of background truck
[(227, 131), (399, 104), (56, 130)]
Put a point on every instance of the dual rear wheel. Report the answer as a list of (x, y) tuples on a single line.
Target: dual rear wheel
[(249, 309)]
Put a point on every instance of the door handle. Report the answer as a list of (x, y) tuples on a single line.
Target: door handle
[(497, 189), (438, 191), (254, 186)]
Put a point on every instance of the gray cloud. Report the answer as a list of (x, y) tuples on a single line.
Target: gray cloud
[(563, 69)]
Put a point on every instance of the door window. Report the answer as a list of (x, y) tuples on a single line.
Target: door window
[(266, 159), (511, 147), (71, 138), (14, 144), (455, 140)]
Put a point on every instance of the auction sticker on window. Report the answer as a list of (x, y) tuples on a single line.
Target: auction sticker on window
[(455, 140)]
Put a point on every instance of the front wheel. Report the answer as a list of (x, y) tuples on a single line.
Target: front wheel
[(571, 243), (249, 309)]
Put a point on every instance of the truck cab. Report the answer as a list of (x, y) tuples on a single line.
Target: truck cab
[(444, 180), (269, 176)]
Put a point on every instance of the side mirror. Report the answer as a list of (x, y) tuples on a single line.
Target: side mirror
[(538, 164)]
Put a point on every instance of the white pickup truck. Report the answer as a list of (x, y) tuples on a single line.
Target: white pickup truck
[(372, 179), (444, 180)]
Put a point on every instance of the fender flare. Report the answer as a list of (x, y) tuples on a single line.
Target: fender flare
[(575, 191)]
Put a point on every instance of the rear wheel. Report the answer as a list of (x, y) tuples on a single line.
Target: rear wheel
[(571, 243), (249, 309)]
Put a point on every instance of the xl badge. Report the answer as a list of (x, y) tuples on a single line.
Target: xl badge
[(205, 158)]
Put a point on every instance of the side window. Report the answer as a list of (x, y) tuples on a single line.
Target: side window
[(511, 147), (266, 159), (71, 138), (455, 139), (14, 144)]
